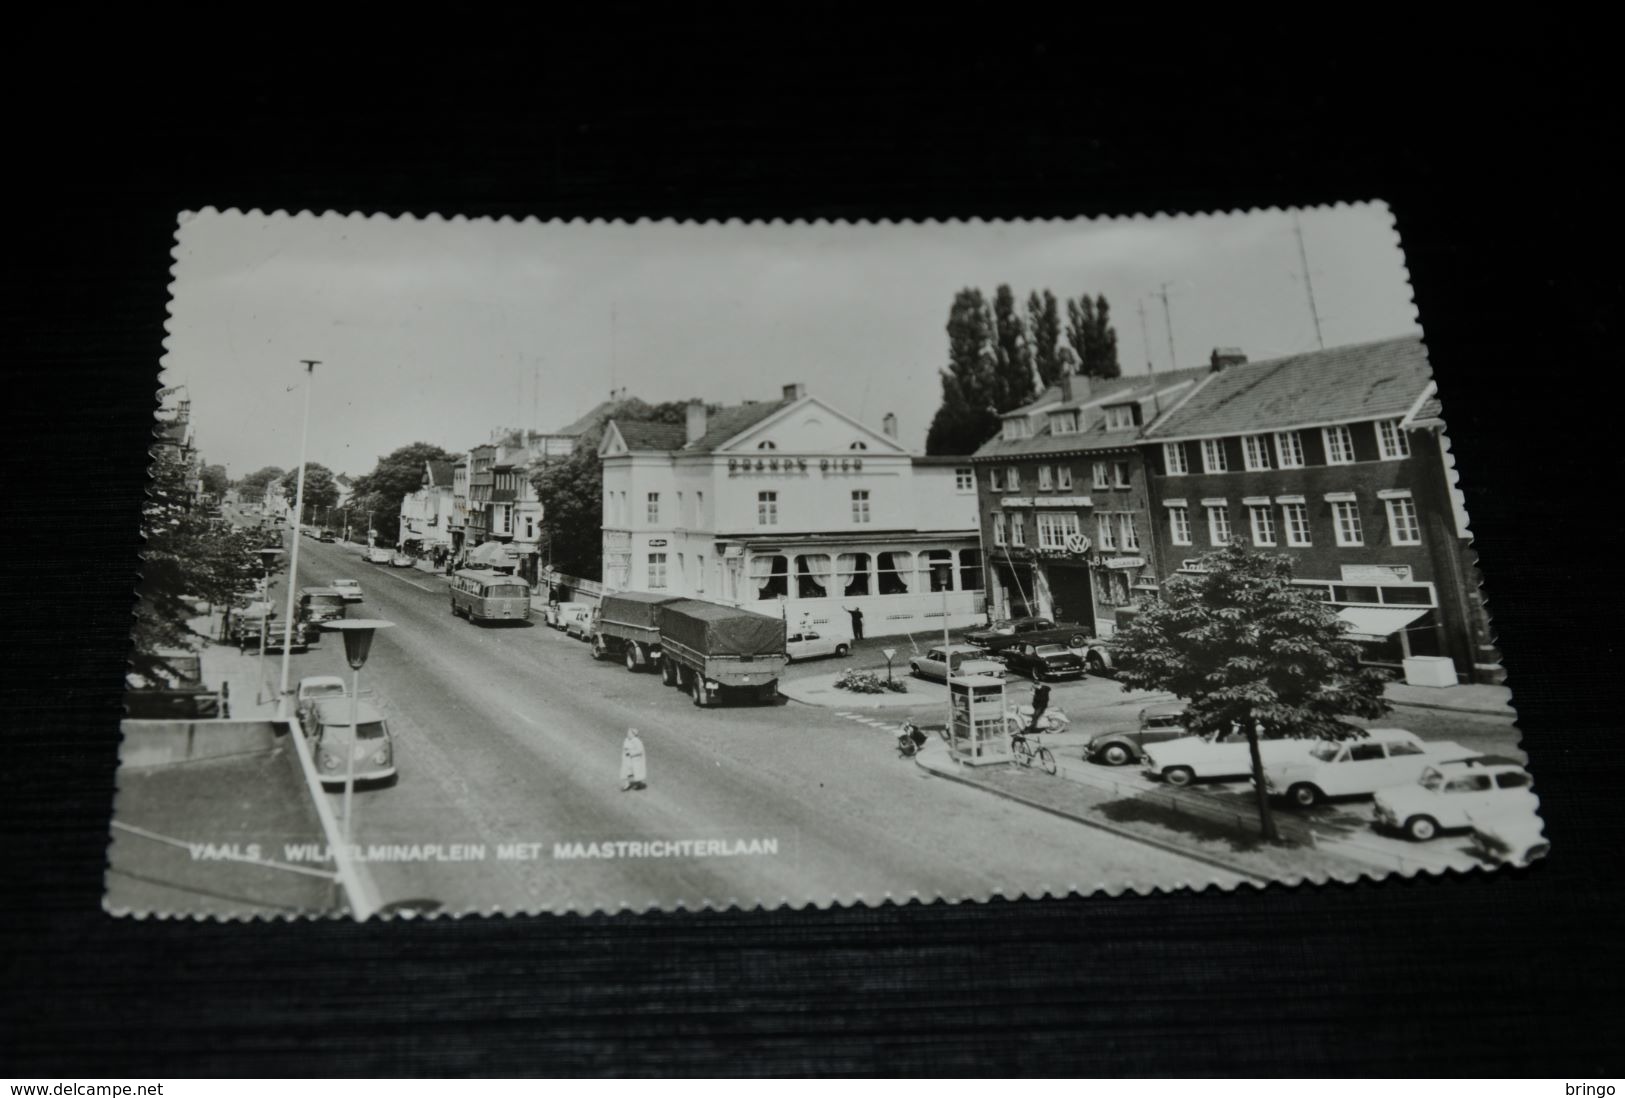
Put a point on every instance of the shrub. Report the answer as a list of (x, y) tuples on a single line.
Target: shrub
[(867, 682)]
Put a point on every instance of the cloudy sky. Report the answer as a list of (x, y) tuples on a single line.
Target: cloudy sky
[(440, 331)]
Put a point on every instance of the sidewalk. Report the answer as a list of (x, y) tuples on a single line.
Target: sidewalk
[(238, 673), (1482, 699)]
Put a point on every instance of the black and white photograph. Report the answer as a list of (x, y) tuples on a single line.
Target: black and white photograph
[(521, 567)]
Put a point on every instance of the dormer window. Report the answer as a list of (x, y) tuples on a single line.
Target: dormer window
[(1016, 428), (1064, 424), (1119, 417), (860, 445), (769, 445)]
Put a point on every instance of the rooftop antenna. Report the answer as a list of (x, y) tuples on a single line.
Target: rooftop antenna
[(612, 352), (1150, 370), (1168, 319), (1308, 283)]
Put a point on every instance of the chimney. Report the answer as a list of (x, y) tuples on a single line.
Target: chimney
[(888, 425), (1074, 387), (1227, 356), (696, 420), (795, 391)]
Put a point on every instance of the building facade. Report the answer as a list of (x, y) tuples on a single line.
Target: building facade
[(1338, 459), (795, 509), (1064, 503), (425, 526)]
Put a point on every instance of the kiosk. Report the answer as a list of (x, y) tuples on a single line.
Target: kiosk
[(977, 734)]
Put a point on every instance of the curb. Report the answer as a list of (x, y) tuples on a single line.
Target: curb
[(1505, 711), (1122, 833)]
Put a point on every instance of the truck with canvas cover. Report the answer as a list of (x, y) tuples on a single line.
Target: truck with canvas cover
[(710, 650), (628, 625)]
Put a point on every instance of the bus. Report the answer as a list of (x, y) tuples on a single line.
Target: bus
[(479, 594)]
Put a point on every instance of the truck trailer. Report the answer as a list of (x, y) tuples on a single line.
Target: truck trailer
[(627, 626), (712, 651)]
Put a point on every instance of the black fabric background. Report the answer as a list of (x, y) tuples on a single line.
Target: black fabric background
[(1498, 153)]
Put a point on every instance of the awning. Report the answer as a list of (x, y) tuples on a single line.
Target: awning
[(492, 552), (1375, 623)]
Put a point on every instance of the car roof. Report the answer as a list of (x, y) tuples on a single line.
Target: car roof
[(337, 711), (1476, 766), (345, 583), (1388, 735), (323, 680), (1165, 709)]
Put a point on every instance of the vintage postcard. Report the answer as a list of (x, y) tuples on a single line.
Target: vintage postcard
[(498, 567)]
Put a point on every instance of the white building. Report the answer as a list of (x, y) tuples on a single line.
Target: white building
[(793, 508), (426, 514)]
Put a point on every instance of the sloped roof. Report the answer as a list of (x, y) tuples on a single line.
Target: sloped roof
[(1094, 436), (639, 435), (440, 472), (725, 423), (1358, 382)]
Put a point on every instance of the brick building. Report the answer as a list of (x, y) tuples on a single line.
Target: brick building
[(1338, 458)]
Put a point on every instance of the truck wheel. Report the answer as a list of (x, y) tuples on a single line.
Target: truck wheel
[(598, 649), (631, 657), (702, 696), (668, 673)]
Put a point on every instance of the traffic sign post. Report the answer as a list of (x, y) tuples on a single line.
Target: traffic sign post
[(888, 653)]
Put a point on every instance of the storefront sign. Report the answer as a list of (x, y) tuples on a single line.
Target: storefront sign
[(1046, 501), (1124, 562), (1376, 573), (657, 543)]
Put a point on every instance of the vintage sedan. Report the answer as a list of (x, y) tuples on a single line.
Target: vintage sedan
[(350, 589), (1514, 838), (1449, 795), (812, 643), (400, 560), (377, 554), (1158, 723), (314, 689), (961, 659), (1218, 755), (1382, 758), (1044, 662)]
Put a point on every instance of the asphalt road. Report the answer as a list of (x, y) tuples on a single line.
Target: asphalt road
[(510, 735)]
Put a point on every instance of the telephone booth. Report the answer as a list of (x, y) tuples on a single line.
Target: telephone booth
[(977, 735)]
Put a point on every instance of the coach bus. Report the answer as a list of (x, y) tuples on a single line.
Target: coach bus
[(481, 595)]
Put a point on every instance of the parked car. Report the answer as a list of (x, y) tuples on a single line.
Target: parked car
[(246, 626), (350, 589), (1513, 838), (327, 536), (377, 554), (1447, 797), (1382, 758), (1217, 755), (312, 690), (811, 643), (1006, 632), (400, 560), (555, 613), (1158, 723), (1041, 662), (334, 742), (962, 659), (578, 622)]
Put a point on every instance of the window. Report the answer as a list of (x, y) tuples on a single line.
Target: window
[(1512, 779), (995, 480), (1218, 525), (682, 569), (1392, 443), (657, 571), (1119, 474), (859, 445), (767, 508), (1213, 455), (852, 573), (1064, 424), (1053, 529), (654, 507), (1288, 450), (1018, 530), (812, 575), (1102, 476), (767, 445), (681, 514), (699, 573), (938, 566), (1106, 536), (1015, 428), (1346, 518), (860, 506), (1403, 528), (1297, 524), (1365, 752), (1263, 521), (964, 480), (1255, 452), (1173, 459), (1131, 536), (699, 508), (1179, 524), (1063, 477), (970, 569), (1014, 479), (1339, 445), (1043, 478), (1395, 750), (893, 572), (771, 576), (1119, 417), (998, 528)]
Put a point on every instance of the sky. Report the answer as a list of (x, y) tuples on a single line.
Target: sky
[(443, 330)]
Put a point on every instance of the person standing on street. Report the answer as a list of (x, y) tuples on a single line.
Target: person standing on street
[(633, 772), (857, 621), (1040, 704)]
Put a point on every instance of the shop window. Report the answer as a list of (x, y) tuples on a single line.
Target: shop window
[(771, 576), (970, 569), (938, 565), (812, 576), (894, 572), (852, 574)]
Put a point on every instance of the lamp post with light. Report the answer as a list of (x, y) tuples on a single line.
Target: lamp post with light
[(298, 515), (268, 557), (358, 634)]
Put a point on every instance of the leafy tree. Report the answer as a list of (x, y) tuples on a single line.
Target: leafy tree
[(969, 413), (1012, 354), (1091, 335), (321, 490), (398, 473), (1246, 647), (260, 478), (186, 556), (215, 481), (1044, 328)]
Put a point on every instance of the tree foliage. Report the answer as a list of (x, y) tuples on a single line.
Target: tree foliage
[(968, 415), (186, 556), (1050, 358), (398, 474), (1012, 354), (1247, 648), (1091, 336), (321, 490), (259, 478), (214, 480)]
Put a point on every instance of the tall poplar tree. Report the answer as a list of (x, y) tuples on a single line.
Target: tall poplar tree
[(968, 415), (1012, 354), (1090, 333), (1044, 328)]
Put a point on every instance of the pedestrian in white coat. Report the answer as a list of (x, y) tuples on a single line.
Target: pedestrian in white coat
[(633, 773)]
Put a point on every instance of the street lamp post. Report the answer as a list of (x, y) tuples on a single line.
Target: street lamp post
[(358, 634), (267, 558), (310, 365)]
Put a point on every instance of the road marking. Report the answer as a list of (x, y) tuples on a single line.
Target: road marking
[(857, 718), (409, 583)]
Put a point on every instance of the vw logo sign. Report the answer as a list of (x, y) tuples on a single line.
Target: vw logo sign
[(1077, 543)]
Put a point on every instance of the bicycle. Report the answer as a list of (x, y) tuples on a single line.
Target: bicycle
[(1025, 751)]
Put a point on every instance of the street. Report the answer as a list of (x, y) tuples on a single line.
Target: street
[(511, 735)]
